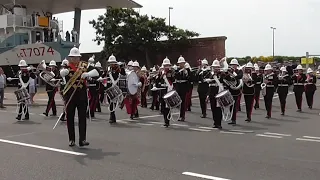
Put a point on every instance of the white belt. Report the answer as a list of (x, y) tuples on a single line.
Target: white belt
[(92, 85), (309, 83), (181, 81), (283, 85), (213, 85), (163, 85), (258, 82), (298, 84), (270, 85)]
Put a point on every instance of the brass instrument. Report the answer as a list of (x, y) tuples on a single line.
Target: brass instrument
[(82, 67), (264, 84), (47, 76), (247, 76), (233, 84)]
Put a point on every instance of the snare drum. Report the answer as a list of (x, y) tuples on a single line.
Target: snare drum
[(113, 93), (122, 84), (22, 95), (172, 99), (225, 98)]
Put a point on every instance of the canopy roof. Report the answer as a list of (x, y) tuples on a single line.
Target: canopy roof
[(62, 6)]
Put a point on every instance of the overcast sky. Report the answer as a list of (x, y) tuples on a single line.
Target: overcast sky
[(246, 23)]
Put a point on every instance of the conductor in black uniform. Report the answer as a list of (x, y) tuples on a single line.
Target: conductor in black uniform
[(182, 77), (77, 98), (203, 86)]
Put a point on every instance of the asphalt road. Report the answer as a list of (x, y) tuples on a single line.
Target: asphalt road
[(281, 148)]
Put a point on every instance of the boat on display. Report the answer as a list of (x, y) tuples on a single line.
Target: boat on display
[(29, 31)]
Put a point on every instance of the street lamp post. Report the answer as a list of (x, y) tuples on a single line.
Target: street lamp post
[(273, 29), (170, 8)]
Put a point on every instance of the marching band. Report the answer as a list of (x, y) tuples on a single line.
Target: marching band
[(85, 86)]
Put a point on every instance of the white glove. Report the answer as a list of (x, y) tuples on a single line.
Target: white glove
[(9, 79), (89, 78), (207, 80), (139, 84), (28, 68), (84, 75), (64, 72), (170, 88), (99, 79), (234, 73), (52, 73)]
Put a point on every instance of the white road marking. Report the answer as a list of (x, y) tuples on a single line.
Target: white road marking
[(270, 136), (210, 128), (228, 132), (144, 117), (201, 130), (124, 122), (145, 124), (311, 137), (311, 140), (180, 125), (17, 135), (243, 131), (277, 134), (156, 123), (203, 176), (43, 147)]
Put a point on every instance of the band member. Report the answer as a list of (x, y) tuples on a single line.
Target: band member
[(284, 81), (182, 76), (154, 93), (233, 81), (215, 86), (64, 65), (75, 93), (51, 90), (310, 87), (159, 82), (92, 89), (99, 87), (166, 78), (132, 100), (192, 77), (203, 86), (129, 66), (248, 89), (268, 88), (299, 79), (25, 74), (257, 87), (112, 79), (145, 86)]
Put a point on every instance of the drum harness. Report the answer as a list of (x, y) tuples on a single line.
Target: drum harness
[(169, 89), (24, 103), (226, 112), (118, 100)]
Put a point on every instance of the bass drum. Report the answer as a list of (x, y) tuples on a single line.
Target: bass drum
[(132, 83)]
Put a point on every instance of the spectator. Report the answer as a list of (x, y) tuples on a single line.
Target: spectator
[(67, 36), (3, 80)]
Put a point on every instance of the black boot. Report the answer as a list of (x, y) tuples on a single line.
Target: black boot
[(84, 143)]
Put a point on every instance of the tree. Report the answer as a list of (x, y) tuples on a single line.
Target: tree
[(125, 31)]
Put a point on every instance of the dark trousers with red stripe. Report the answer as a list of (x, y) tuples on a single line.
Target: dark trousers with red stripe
[(249, 100), (309, 97), (268, 100), (235, 107), (283, 93), (257, 96), (94, 96), (155, 101), (51, 102), (298, 95)]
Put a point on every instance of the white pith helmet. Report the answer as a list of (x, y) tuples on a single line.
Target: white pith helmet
[(299, 67), (130, 63), (112, 59), (215, 63), (98, 65), (181, 60), (268, 67), (283, 69), (309, 70), (135, 64), (234, 62), (204, 62), (143, 68), (22, 63), (166, 61), (65, 62), (52, 63), (249, 65), (74, 52)]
